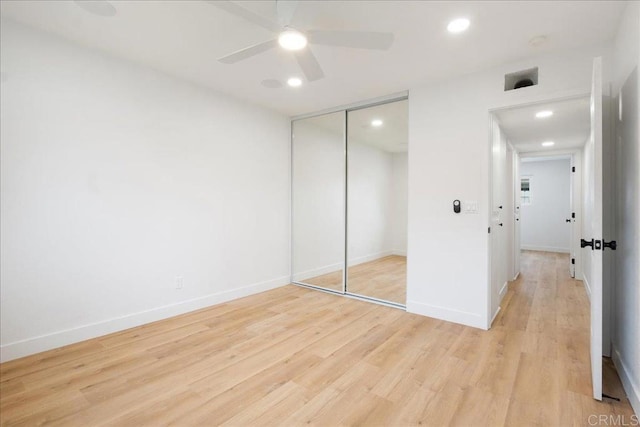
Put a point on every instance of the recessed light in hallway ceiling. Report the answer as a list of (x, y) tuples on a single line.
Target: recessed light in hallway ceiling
[(458, 25), (544, 114)]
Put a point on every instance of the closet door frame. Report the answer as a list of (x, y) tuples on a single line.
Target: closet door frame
[(402, 96)]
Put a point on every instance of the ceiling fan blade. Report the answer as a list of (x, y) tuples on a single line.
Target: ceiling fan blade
[(248, 52), (355, 39), (309, 65), (286, 9), (240, 11)]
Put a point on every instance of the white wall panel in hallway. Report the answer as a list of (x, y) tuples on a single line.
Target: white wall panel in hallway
[(543, 218)]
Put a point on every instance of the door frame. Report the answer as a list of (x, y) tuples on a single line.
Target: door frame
[(558, 97), (575, 160)]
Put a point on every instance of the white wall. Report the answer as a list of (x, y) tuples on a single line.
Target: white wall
[(448, 141), (626, 299), (116, 180), (543, 226)]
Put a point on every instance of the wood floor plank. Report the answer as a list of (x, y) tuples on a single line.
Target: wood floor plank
[(294, 356)]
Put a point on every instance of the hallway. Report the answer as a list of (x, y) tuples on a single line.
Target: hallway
[(545, 318)]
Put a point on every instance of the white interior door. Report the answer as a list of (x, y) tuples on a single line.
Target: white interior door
[(516, 215), (593, 226), (574, 232)]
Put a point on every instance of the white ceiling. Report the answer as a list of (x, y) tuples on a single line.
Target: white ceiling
[(184, 38), (568, 127)]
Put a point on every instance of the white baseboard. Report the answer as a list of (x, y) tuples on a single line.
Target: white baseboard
[(370, 257), (516, 276), (586, 286), (631, 385), (399, 252), (448, 314), (41, 343), (495, 315), (545, 249), (299, 277), (503, 291)]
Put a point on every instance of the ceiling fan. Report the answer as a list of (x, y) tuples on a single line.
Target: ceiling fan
[(295, 40)]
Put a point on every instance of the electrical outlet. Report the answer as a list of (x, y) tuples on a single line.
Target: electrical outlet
[(179, 282)]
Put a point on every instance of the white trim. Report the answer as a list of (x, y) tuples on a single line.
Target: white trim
[(628, 383), (545, 249), (298, 277), (586, 286), (462, 317), (516, 277), (53, 340), (399, 252), (398, 96), (503, 291), (495, 315), (369, 258)]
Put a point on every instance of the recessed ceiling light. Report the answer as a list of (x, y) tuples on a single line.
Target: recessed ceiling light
[(376, 123), (291, 39), (458, 25), (294, 82), (548, 144), (97, 7), (544, 114)]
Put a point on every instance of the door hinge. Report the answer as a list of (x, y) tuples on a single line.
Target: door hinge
[(573, 215), (573, 168), (573, 261), (489, 231), (613, 245)]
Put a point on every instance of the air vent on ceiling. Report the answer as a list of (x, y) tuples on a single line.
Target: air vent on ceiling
[(520, 79)]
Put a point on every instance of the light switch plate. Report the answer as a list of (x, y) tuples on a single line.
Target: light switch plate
[(470, 206)]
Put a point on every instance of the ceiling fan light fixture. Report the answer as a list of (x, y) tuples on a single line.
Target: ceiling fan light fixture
[(294, 82), (291, 39)]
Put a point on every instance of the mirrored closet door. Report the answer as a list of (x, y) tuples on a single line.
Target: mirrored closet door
[(377, 143), (318, 201), (349, 207)]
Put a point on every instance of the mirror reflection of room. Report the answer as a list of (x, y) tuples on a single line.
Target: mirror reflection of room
[(318, 197), (377, 145)]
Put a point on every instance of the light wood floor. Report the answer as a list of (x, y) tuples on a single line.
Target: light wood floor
[(294, 356), (384, 278)]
